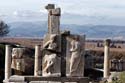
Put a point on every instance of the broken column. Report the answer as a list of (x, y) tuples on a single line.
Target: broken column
[(7, 62), (37, 66), (106, 58), (53, 19)]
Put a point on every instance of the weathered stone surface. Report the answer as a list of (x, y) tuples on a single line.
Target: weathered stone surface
[(106, 58), (41, 79), (54, 25), (51, 82), (53, 19), (50, 58), (77, 56), (52, 47), (17, 59), (16, 82), (7, 62), (56, 11), (16, 78), (37, 66), (44, 82), (24, 56)]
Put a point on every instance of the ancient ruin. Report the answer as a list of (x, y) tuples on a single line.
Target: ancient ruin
[(50, 60), (60, 59)]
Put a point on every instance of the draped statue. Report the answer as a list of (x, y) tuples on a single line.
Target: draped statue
[(76, 60)]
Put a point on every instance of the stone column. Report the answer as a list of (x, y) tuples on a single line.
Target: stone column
[(49, 8), (106, 58), (37, 65), (7, 62)]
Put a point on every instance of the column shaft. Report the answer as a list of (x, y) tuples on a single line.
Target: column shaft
[(37, 65), (106, 58), (7, 62)]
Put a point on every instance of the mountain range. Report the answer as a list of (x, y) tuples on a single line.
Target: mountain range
[(39, 28), (34, 24)]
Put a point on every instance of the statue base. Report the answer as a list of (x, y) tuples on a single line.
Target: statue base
[(41, 79)]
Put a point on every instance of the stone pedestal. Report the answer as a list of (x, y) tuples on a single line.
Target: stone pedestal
[(7, 62), (106, 58), (37, 66), (39, 79)]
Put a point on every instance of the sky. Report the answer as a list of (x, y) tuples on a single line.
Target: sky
[(82, 7), (92, 11)]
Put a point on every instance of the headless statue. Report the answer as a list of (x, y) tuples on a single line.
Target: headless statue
[(75, 56)]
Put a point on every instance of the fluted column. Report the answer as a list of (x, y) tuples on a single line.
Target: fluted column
[(37, 65), (7, 62), (106, 58)]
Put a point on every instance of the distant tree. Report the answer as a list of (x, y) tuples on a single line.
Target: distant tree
[(4, 29)]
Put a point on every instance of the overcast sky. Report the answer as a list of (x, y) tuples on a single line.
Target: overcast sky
[(83, 7)]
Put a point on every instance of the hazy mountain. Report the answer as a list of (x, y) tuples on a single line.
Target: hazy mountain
[(34, 24), (39, 28), (27, 29)]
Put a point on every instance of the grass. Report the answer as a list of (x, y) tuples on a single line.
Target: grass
[(121, 78)]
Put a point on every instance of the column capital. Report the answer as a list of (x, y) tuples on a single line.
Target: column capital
[(107, 42), (8, 45), (37, 45)]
